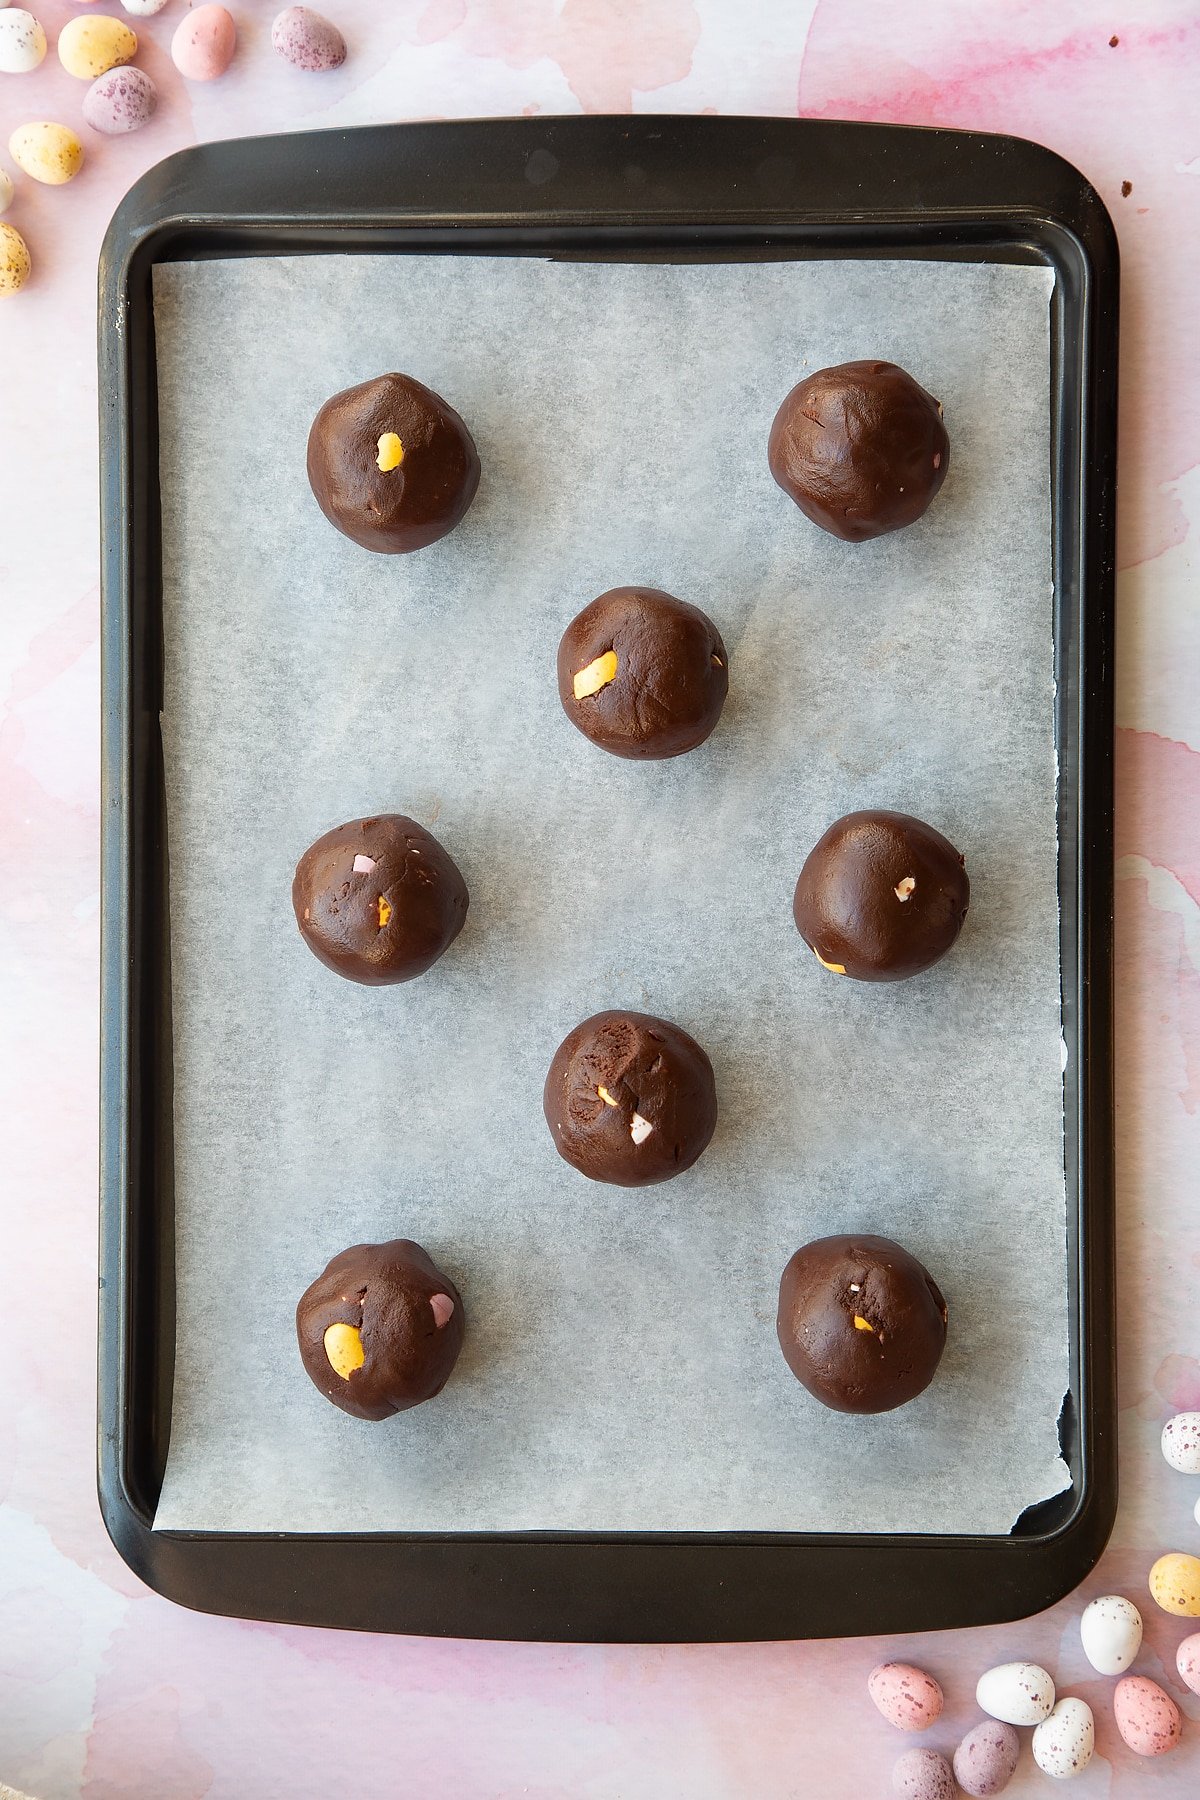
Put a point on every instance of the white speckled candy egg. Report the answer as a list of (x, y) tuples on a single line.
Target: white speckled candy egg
[(47, 152), (1175, 1584), (14, 261), (1147, 1719), (1111, 1629), (1181, 1442), (204, 42), (6, 186), (907, 1697), (120, 101), (1063, 1743), (1187, 1661), (22, 42), (91, 45), (923, 1775), (1020, 1693), (985, 1760), (143, 9), (307, 40)]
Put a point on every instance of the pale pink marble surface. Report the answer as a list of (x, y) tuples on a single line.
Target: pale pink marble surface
[(107, 1691)]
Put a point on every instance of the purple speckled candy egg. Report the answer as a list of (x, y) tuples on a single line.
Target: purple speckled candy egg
[(923, 1775), (1187, 1661), (308, 40), (1147, 1718), (204, 42), (120, 101), (985, 1760), (907, 1697)]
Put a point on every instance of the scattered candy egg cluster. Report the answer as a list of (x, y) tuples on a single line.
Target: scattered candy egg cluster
[(1023, 1694), (99, 48)]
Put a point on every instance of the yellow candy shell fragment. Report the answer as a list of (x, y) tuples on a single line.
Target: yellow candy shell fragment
[(1175, 1584), (90, 46), (344, 1348), (14, 261), (389, 452), (46, 152)]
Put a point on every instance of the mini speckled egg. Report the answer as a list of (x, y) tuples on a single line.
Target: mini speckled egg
[(22, 42), (1187, 1661), (143, 9), (308, 40), (204, 42), (985, 1760), (90, 46), (1111, 1629), (1147, 1719), (1181, 1442), (47, 152), (14, 261), (1020, 1693), (1175, 1584), (6, 186), (907, 1697), (120, 101), (1063, 1743), (923, 1775)]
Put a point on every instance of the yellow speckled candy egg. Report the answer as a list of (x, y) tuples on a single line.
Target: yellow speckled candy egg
[(48, 152), (14, 261), (91, 46), (1175, 1584)]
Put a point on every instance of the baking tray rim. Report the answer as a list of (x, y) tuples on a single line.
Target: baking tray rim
[(1061, 212)]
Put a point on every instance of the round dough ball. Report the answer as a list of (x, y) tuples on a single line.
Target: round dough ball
[(881, 896), (861, 449), (642, 674), (381, 1329), (378, 900), (630, 1099), (391, 464), (862, 1324)]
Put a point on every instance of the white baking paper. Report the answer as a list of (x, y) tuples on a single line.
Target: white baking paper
[(621, 1369)]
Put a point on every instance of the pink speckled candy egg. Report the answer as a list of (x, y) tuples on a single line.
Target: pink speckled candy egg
[(1147, 1719), (120, 101), (204, 42), (307, 40), (1187, 1661), (923, 1775), (907, 1697), (985, 1760)]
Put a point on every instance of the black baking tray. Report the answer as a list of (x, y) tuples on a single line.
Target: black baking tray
[(638, 189)]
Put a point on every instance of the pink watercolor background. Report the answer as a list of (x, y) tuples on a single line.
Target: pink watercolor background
[(109, 1693)]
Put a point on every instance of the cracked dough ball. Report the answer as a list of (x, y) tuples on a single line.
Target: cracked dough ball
[(630, 1099)]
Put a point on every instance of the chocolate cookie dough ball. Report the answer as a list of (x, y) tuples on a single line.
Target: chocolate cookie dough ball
[(642, 674), (391, 464), (862, 1324), (381, 1329), (378, 900), (881, 896), (630, 1099), (861, 449)]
